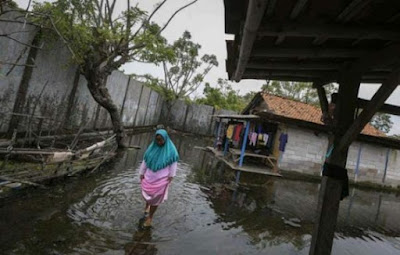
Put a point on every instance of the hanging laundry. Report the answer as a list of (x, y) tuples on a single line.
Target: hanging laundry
[(259, 128), (283, 139), (266, 137), (237, 131), (253, 139), (229, 131)]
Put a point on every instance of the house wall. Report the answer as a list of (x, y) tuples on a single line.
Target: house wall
[(305, 153)]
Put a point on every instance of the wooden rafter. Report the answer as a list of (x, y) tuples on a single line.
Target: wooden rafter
[(386, 108), (329, 31), (323, 101), (313, 75), (351, 10), (298, 8), (303, 65), (377, 101), (270, 8), (255, 13), (308, 53), (370, 61)]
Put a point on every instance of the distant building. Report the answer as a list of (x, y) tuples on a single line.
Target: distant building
[(372, 158)]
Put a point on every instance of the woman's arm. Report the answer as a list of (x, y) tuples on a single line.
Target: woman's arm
[(172, 170), (142, 169)]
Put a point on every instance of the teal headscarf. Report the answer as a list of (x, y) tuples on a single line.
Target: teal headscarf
[(158, 157)]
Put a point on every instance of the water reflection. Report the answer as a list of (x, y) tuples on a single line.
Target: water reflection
[(205, 213)]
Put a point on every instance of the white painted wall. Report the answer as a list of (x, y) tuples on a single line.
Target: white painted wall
[(306, 150)]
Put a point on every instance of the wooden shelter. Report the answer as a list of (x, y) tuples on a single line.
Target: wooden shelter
[(344, 41)]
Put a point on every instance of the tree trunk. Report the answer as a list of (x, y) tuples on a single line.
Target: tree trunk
[(97, 87)]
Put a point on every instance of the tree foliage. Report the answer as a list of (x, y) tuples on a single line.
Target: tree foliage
[(382, 122), (223, 96), (300, 91), (184, 70)]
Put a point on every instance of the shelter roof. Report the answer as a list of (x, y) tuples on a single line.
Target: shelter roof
[(236, 116), (312, 40)]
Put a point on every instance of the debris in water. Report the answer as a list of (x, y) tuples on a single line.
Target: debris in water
[(291, 223)]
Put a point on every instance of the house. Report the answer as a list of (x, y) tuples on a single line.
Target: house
[(373, 157)]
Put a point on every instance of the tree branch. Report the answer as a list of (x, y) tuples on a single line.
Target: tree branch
[(155, 10), (147, 21), (23, 43), (15, 64), (99, 6), (62, 37), (174, 14)]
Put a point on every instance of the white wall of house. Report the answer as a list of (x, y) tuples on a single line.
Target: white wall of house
[(306, 149)]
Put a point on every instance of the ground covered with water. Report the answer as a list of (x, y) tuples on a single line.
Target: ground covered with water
[(205, 213)]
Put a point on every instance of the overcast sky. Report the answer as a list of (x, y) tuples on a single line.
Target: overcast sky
[(205, 21)]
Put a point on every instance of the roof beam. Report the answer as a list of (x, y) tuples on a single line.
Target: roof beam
[(352, 10), (372, 107), (255, 13), (270, 8), (323, 101), (302, 66), (385, 56), (290, 66), (326, 31), (370, 61), (308, 53), (386, 108), (300, 4), (393, 18), (279, 40), (276, 78), (307, 76)]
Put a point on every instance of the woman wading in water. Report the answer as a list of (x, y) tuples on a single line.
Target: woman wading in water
[(156, 172)]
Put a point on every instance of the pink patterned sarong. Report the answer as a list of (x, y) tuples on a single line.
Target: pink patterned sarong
[(155, 184)]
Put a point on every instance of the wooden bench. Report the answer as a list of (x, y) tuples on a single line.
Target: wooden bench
[(236, 157)]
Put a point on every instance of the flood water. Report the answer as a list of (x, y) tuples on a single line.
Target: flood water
[(205, 214)]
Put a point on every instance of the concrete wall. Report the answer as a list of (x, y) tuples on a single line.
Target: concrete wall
[(198, 119), (84, 107), (12, 52), (143, 103), (56, 91), (393, 172), (177, 115), (305, 153), (50, 85), (131, 104), (191, 118)]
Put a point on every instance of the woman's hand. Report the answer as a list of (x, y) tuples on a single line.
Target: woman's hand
[(141, 177)]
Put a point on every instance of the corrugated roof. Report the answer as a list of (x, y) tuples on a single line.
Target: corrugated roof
[(293, 109)]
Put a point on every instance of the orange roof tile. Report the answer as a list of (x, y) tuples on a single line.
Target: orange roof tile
[(290, 108)]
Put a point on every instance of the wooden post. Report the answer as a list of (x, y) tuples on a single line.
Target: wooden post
[(218, 133), (226, 146), (331, 188), (237, 177), (358, 163), (246, 133), (386, 165)]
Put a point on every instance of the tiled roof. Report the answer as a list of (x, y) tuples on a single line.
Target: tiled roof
[(298, 110)]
